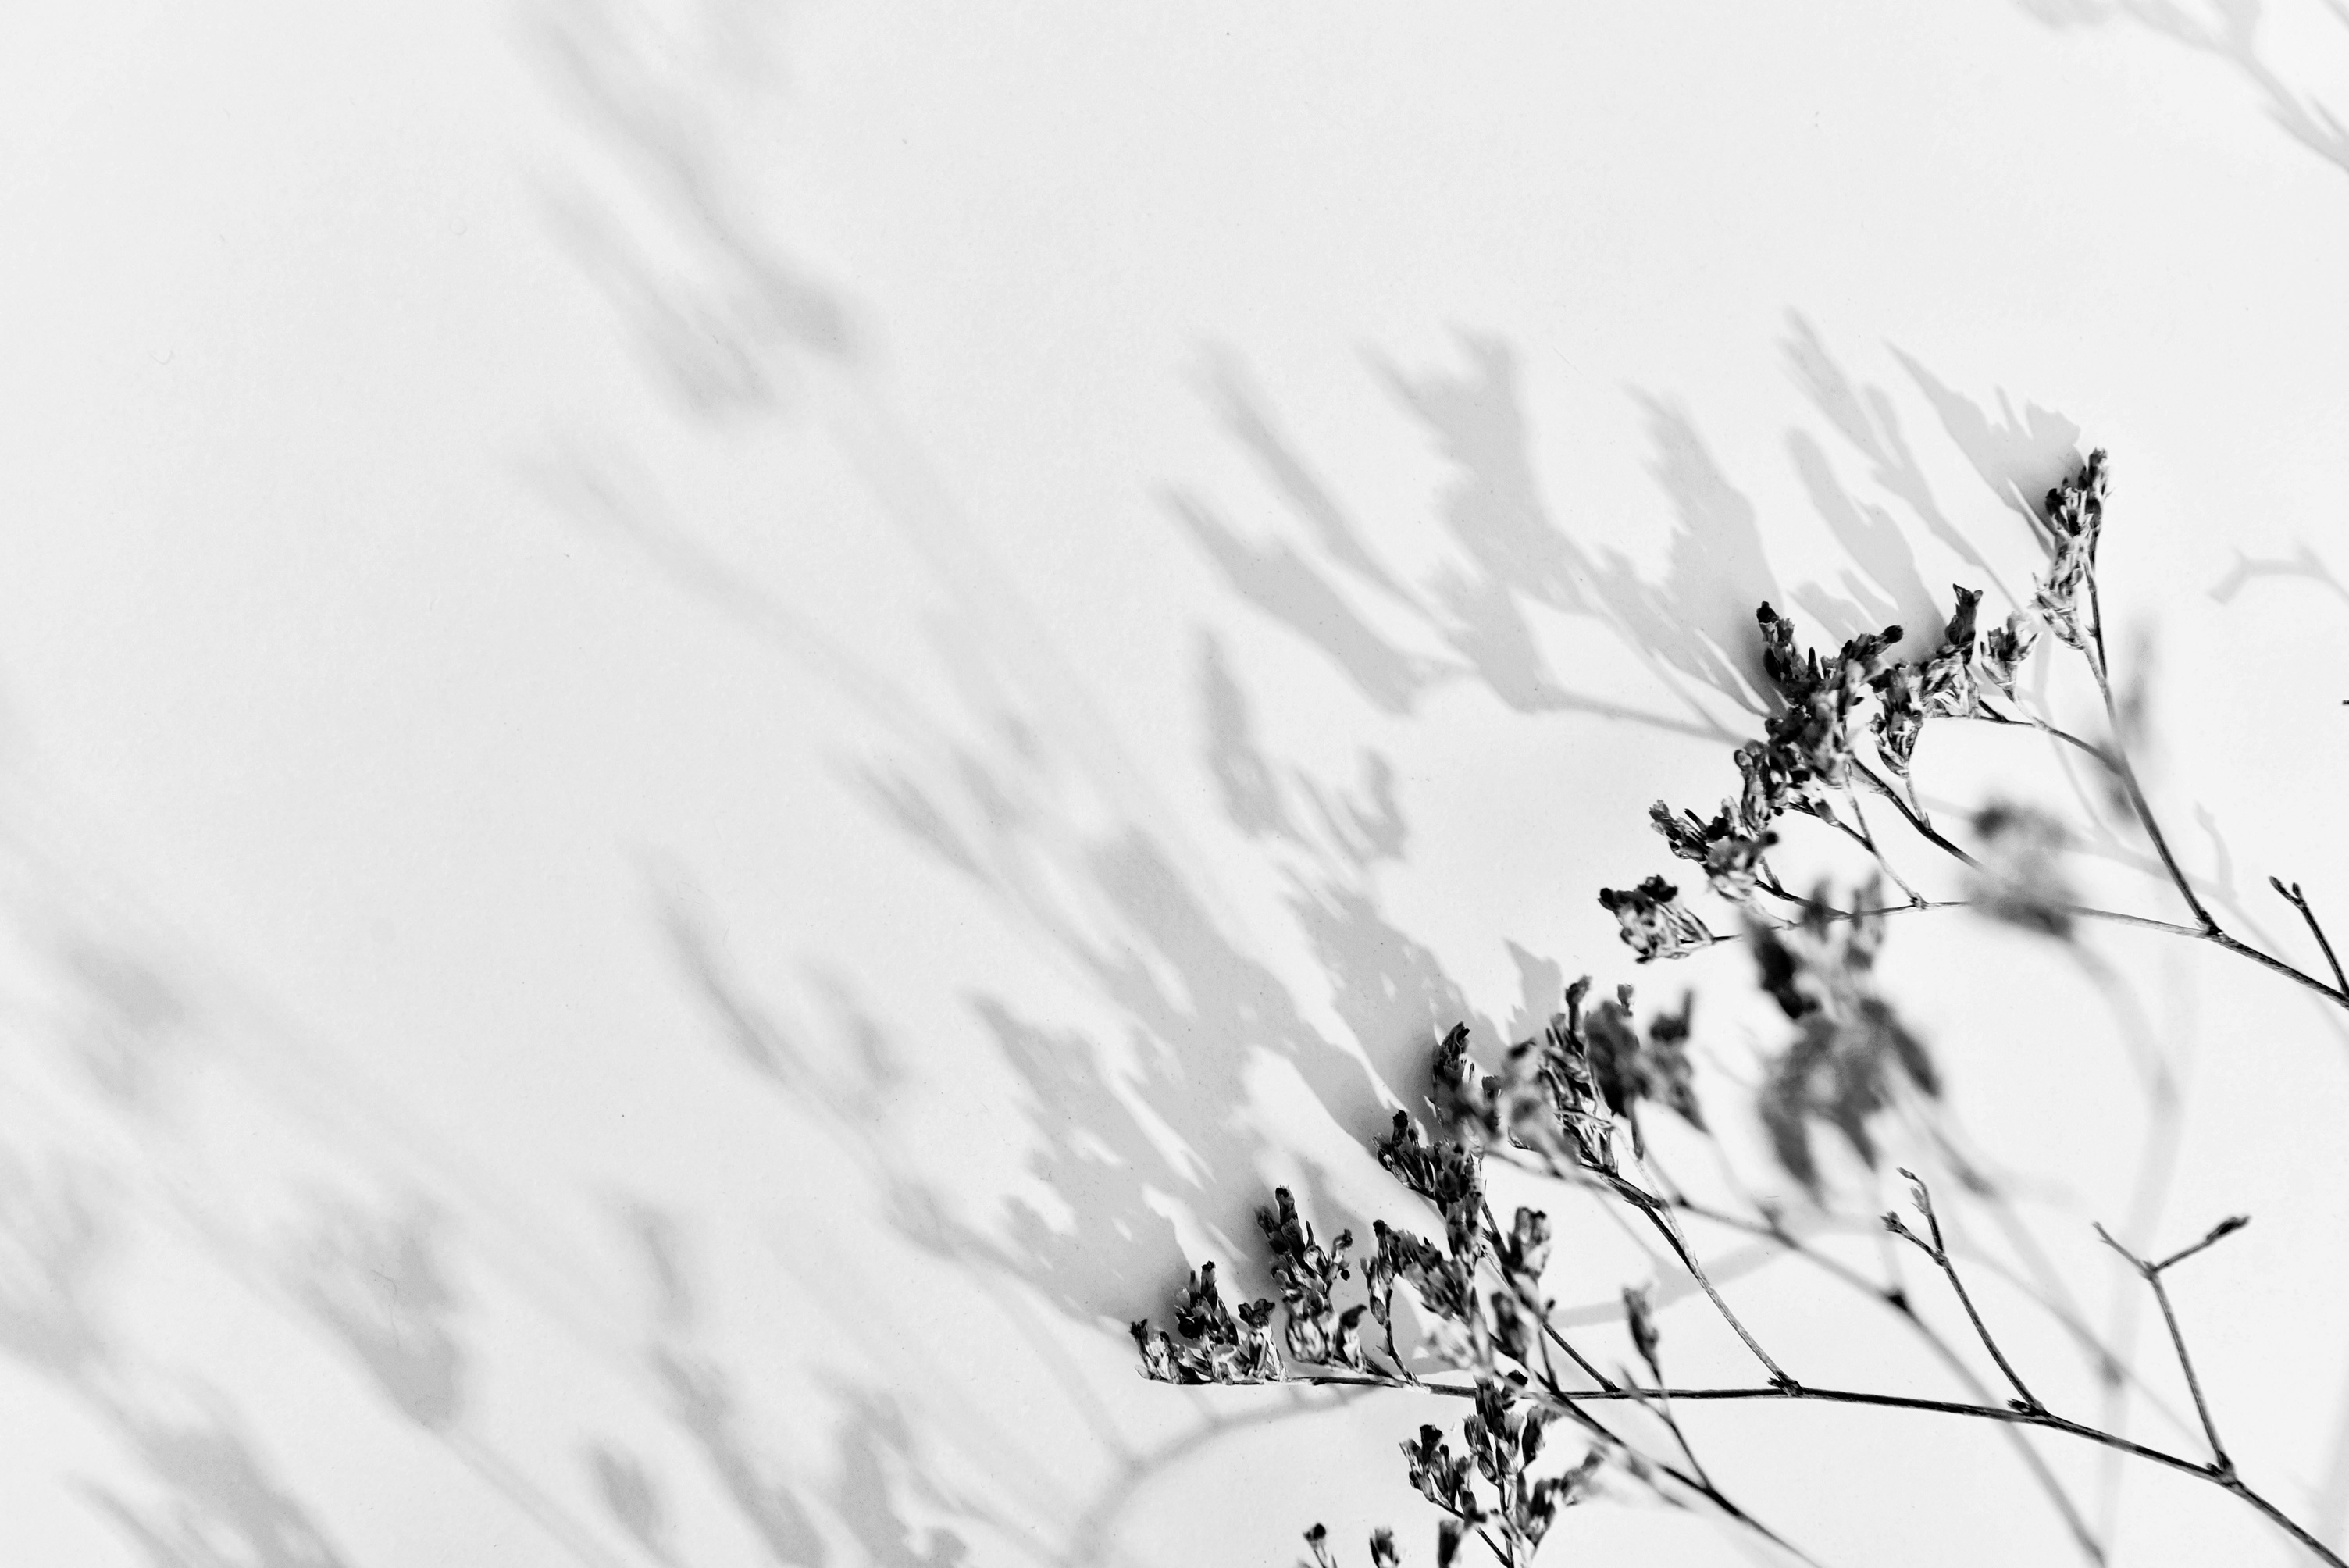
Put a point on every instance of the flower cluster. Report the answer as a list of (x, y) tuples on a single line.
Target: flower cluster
[(1809, 749), (1809, 741), (1502, 1438), (1944, 684), (2075, 516), (1561, 1094), (1307, 1276), (1448, 1175), (1731, 858), (1216, 1344)]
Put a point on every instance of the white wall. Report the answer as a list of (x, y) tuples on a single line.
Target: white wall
[(696, 694)]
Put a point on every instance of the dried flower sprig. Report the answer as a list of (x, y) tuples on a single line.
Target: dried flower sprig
[(1473, 1291), (1567, 1104), (1838, 710)]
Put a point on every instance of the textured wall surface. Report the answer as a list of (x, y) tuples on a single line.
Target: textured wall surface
[(719, 721)]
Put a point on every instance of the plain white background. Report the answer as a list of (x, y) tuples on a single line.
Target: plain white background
[(722, 720)]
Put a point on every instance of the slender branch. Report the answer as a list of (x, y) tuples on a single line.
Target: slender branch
[(1659, 1215), (2126, 772), (1699, 1482), (1991, 715), (1877, 850), (1538, 1310), (2107, 1364), (2214, 935), (1925, 829), (2193, 1382), (2299, 900), (2044, 1419), (2152, 1273), (1939, 1254)]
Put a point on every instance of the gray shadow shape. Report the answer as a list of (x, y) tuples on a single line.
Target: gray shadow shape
[(632, 1496), (703, 1403), (2229, 33), (2020, 455), (379, 1285), (1513, 560), (224, 1509), (2303, 565)]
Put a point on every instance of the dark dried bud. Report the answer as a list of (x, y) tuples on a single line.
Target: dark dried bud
[(1900, 715), (1960, 634), (1654, 923), (1157, 1352)]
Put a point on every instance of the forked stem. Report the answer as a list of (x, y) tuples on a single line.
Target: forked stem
[(2151, 1272)]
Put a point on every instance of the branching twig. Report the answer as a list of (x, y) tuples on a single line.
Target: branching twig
[(2044, 1419), (1939, 1254), (1659, 1215), (2299, 900), (2151, 1273)]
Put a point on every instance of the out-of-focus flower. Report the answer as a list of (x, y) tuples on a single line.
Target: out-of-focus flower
[(1840, 1067), (2022, 879), (1640, 1317)]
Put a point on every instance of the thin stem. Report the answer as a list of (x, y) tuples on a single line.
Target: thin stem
[(1991, 715), (2214, 935), (1661, 1217), (2152, 1273), (2071, 1324), (1939, 1252), (1925, 829), (1699, 1482), (2299, 900), (1875, 850), (1540, 1313), (2126, 772), (2008, 1415), (2193, 1381), (1702, 1483)]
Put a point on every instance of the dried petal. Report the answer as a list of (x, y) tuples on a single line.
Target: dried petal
[(1654, 923)]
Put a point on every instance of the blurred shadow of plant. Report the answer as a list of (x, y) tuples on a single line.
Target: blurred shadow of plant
[(2228, 32)]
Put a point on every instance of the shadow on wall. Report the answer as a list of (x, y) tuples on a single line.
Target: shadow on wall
[(1483, 615), (2228, 32), (152, 1120)]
